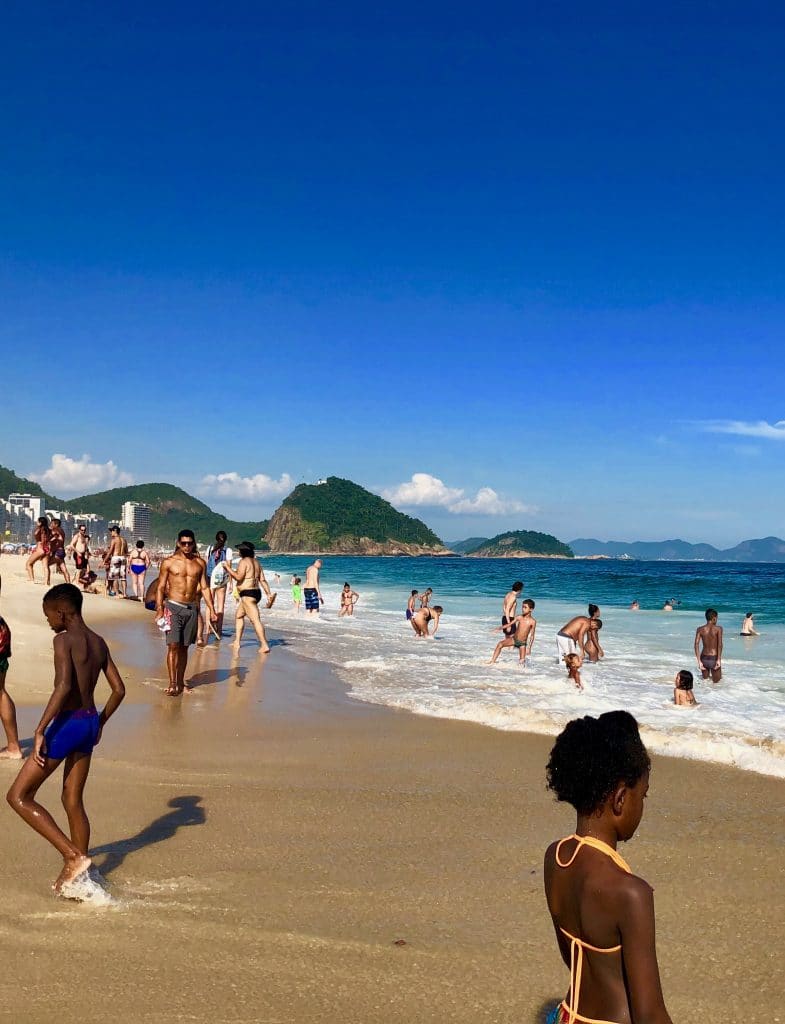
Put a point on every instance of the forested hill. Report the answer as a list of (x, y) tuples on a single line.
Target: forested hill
[(340, 516), (522, 544), (173, 509)]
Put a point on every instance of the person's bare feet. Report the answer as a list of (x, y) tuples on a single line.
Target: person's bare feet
[(172, 691), (264, 650), (72, 869), (11, 754)]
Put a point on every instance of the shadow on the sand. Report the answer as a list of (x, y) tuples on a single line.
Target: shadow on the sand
[(185, 811), (236, 674), (545, 1011)]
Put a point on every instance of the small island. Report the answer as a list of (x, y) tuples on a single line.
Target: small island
[(521, 544)]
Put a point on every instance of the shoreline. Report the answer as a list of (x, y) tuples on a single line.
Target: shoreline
[(269, 839)]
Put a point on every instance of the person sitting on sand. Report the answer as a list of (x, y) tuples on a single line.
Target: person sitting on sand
[(709, 639), (422, 619), (522, 639), (748, 626), (573, 663), (69, 729), (11, 751), (571, 637), (682, 694), (602, 914), (349, 599)]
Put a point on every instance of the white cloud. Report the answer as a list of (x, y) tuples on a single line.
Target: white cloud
[(424, 489), (246, 488), (742, 428), (80, 476)]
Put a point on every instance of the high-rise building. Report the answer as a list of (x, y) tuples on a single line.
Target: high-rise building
[(31, 503), (137, 520)]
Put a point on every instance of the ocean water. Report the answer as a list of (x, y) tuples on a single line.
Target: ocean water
[(740, 721)]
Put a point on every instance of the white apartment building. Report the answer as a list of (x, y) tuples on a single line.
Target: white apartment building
[(137, 520)]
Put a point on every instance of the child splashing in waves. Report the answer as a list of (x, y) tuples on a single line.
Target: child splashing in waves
[(603, 915)]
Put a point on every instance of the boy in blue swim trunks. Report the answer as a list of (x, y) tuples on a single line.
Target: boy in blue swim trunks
[(69, 729)]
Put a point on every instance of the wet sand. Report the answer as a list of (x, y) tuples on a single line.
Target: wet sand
[(268, 840)]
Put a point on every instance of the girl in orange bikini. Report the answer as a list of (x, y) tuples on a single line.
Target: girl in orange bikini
[(603, 915)]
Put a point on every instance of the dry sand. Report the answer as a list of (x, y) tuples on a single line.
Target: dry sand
[(268, 841)]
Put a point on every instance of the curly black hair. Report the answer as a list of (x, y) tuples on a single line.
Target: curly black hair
[(592, 756)]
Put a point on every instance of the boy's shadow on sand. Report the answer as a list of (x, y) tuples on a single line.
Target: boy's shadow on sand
[(185, 811)]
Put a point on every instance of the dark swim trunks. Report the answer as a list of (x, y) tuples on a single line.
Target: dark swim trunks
[(80, 560), (72, 732), (709, 662), (185, 620), (506, 622), (519, 643), (408, 614), (311, 599)]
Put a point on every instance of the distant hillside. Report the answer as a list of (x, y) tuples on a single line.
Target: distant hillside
[(340, 516), (173, 510), (10, 483), (460, 547), (522, 544), (767, 549)]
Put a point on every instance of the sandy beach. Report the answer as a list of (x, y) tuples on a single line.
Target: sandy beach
[(279, 852)]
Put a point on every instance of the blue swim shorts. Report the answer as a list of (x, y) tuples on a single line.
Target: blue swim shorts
[(72, 732)]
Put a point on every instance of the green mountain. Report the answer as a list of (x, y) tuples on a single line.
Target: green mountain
[(461, 547), (341, 517), (522, 544), (173, 510)]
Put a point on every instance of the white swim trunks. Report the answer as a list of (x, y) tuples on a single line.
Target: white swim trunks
[(565, 645)]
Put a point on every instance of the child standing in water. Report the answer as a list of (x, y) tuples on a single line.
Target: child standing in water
[(69, 729), (602, 914), (573, 663), (297, 593)]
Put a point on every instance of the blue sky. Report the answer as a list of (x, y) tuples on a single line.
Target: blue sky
[(513, 267)]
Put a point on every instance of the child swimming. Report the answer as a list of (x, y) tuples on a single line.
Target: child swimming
[(603, 915), (682, 694)]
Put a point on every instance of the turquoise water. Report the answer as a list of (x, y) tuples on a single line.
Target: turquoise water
[(740, 721)]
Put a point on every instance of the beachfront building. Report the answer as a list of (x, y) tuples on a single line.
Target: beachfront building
[(20, 512), (137, 520)]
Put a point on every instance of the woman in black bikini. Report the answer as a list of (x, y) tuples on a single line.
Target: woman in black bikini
[(250, 580)]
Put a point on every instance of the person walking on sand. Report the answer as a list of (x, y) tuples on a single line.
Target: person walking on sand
[(69, 730), (139, 563), (40, 552), (57, 549), (349, 599), (181, 580), (510, 607), (116, 563), (602, 913), (80, 546), (218, 578), (571, 637), (11, 751), (312, 591), (250, 581), (708, 647), (524, 627), (422, 619)]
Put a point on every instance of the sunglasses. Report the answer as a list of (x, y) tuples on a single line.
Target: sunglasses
[(186, 543)]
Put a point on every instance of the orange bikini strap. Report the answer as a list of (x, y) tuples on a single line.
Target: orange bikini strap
[(595, 844)]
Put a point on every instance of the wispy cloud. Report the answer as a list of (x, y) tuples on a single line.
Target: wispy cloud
[(68, 476), (246, 488), (426, 490), (746, 428)]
